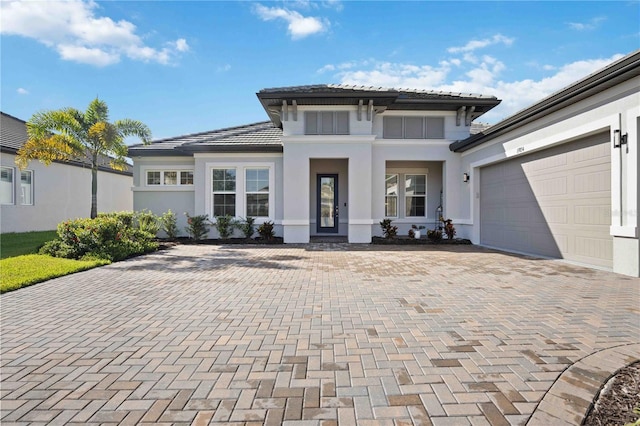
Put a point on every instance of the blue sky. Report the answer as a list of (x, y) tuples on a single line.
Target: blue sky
[(188, 66)]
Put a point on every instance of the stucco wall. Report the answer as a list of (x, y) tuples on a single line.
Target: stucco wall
[(615, 108), (62, 192)]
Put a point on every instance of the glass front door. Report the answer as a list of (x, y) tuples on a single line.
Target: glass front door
[(327, 208)]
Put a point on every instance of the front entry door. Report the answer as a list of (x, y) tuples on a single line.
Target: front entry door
[(327, 205)]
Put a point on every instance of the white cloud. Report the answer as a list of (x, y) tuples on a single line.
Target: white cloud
[(299, 26), (224, 68), (74, 30), (479, 44), (592, 24), (483, 77), (22, 91)]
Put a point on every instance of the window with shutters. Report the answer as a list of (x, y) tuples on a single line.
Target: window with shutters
[(411, 127), (326, 123)]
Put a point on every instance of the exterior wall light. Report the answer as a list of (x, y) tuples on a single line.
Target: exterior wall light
[(622, 139), (466, 177)]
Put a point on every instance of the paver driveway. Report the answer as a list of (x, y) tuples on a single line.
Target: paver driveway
[(321, 334)]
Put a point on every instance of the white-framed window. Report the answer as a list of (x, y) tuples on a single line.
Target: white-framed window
[(169, 177), (6, 185), (326, 122), (415, 194), (26, 187), (257, 192), (223, 184), (412, 127), (391, 195)]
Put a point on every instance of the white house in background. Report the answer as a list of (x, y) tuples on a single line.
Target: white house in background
[(336, 159), (40, 197)]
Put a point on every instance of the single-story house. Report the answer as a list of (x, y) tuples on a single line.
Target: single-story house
[(40, 197), (558, 179)]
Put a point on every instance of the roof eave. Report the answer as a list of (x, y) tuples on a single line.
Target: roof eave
[(625, 69)]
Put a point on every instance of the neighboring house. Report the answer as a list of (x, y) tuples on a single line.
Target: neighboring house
[(336, 159), (40, 197)]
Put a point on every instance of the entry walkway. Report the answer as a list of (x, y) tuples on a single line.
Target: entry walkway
[(318, 334)]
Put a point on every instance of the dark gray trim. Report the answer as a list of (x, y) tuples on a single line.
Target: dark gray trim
[(80, 164), (616, 73)]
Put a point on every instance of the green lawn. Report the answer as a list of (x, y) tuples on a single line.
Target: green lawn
[(20, 267), (19, 243), (21, 271)]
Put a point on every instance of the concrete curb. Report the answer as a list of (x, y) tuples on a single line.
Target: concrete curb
[(568, 400)]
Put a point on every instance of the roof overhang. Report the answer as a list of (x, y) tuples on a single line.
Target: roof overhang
[(612, 75), (275, 101)]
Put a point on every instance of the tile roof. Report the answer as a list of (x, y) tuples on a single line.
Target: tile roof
[(262, 136), (346, 89), (13, 134)]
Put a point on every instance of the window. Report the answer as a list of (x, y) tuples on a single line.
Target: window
[(153, 178), (26, 188), (391, 196), (257, 192), (326, 123), (169, 177), (415, 192), (224, 192), (413, 127), (186, 178), (6, 185)]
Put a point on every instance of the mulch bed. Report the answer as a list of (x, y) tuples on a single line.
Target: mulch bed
[(419, 241), (618, 398)]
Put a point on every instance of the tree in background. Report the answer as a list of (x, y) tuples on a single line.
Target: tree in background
[(68, 134)]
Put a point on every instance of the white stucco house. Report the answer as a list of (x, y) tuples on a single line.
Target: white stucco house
[(551, 180), (40, 197)]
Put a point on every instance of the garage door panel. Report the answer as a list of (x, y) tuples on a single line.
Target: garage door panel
[(554, 203)]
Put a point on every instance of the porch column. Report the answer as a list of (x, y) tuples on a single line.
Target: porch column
[(360, 189), (295, 221)]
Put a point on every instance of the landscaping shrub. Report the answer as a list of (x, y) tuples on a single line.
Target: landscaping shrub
[(169, 224), (125, 217), (266, 230), (105, 237), (147, 222), (197, 226), (434, 235), (388, 230), (225, 225), (247, 226)]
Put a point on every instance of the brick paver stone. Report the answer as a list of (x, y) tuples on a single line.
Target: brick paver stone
[(320, 334)]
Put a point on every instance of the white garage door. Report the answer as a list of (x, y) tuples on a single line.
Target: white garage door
[(554, 203)]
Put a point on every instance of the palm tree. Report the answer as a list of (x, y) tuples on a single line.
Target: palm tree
[(71, 135)]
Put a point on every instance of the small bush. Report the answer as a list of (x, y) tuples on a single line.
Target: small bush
[(225, 225), (147, 222), (434, 235), (169, 224), (266, 230), (247, 226), (388, 230), (197, 226)]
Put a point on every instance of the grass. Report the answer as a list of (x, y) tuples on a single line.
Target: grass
[(22, 271), (16, 244)]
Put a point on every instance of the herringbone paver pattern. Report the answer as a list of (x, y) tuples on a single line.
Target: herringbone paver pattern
[(320, 334)]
